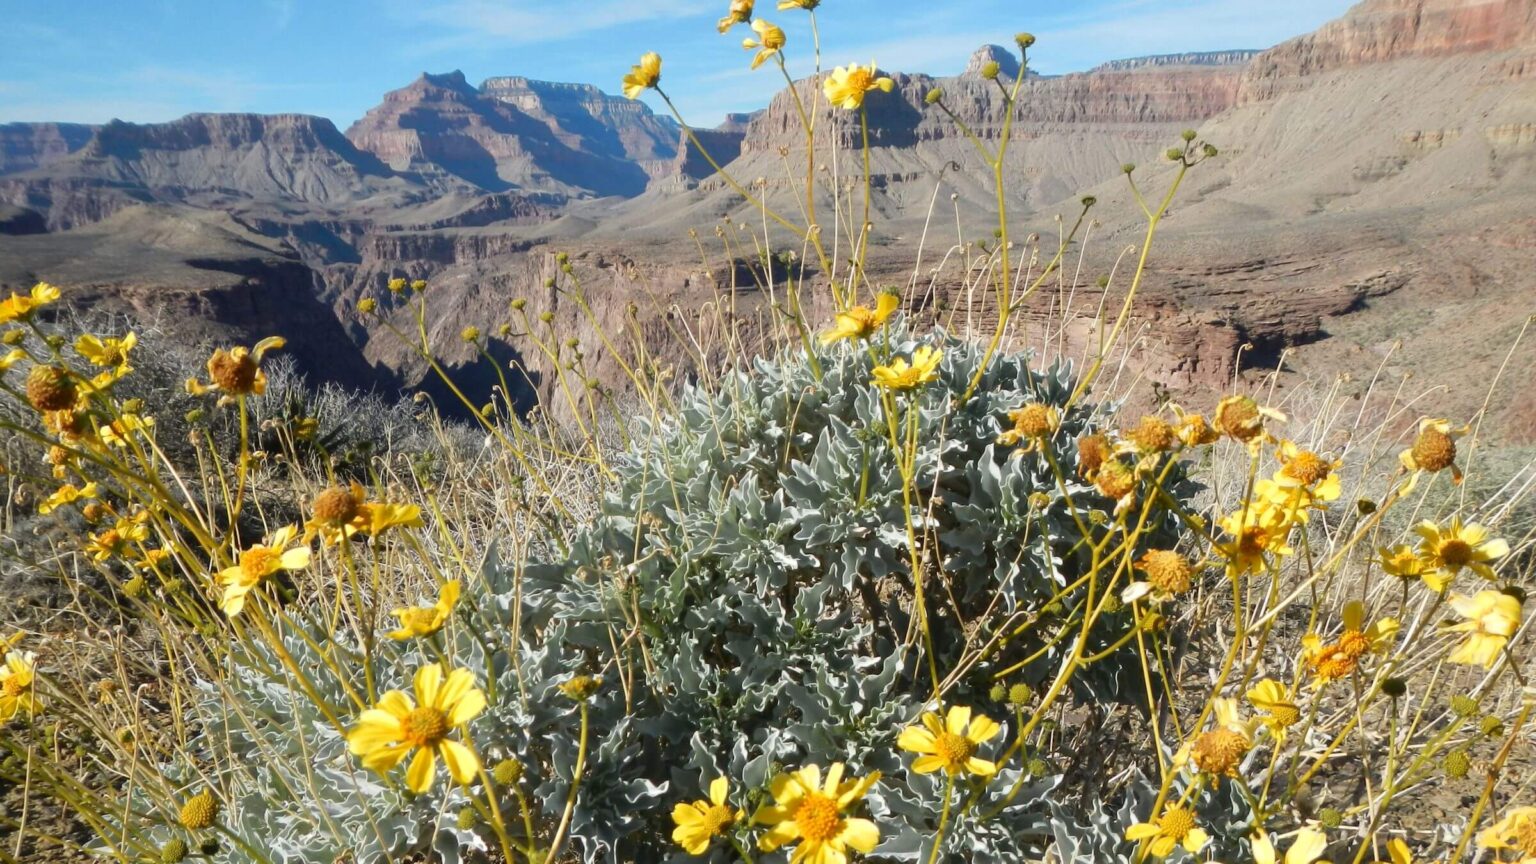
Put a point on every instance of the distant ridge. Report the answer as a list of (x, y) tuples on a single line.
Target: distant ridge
[(1194, 58)]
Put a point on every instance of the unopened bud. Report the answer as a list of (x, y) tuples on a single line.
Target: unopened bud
[(934, 97), (1188, 134), (1024, 39)]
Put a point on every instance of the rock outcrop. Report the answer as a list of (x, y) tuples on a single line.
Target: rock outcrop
[(591, 121)]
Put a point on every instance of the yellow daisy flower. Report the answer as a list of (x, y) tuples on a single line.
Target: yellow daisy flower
[(740, 13), (378, 517), (18, 307), (1402, 561), (1492, 618), (1341, 657), (813, 812), (1168, 574), (1175, 827), (1515, 832), (257, 564), (386, 733), (770, 41), (643, 75), (119, 540), (1398, 851), (700, 822), (1193, 429), (846, 86), (237, 371), (1220, 749), (1034, 422), (65, 495), (117, 432), (1308, 846), (1446, 552), (109, 353), (17, 679), (1271, 697), (1433, 449), (860, 322), (950, 743), (1255, 531), (900, 375), (417, 621)]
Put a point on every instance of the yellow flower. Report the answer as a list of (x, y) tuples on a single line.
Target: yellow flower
[(109, 353), (700, 822), (740, 13), (951, 743), (1402, 561), (378, 517), (1034, 422), (66, 494), (336, 514), (1241, 418), (1309, 845), (1492, 618), (1220, 749), (861, 322), (1516, 831), (118, 541), (1168, 573), (643, 75), (1270, 697), (386, 733), (1176, 827), (1433, 449), (1305, 480), (116, 433), (18, 307), (770, 41), (199, 812), (811, 811), (259, 562), (1341, 657), (17, 678), (808, 5), (902, 376), (418, 621), (1193, 429), (1256, 530), (1398, 851), (237, 371), (1446, 552), (11, 358), (846, 86)]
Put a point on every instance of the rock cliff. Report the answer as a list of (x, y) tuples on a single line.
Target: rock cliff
[(24, 146)]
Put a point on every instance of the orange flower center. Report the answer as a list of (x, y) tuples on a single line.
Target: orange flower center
[(1354, 643), (1307, 468), (954, 749), (259, 563), (1525, 836), (717, 818), (424, 727), (1456, 553), (1335, 661), (336, 506), (1116, 479), (1032, 421), (1239, 417), (1152, 434), (1167, 571), (817, 817), (12, 686), (860, 80), (1219, 750), (233, 373), (1434, 450), (1176, 822), (419, 620), (1284, 714), (1092, 450), (1253, 541)]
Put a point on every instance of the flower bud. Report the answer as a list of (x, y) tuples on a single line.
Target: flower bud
[(367, 305), (1210, 151), (1024, 39), (1395, 687), (1188, 135), (519, 304), (419, 285), (470, 334), (1457, 764), (1174, 154), (1089, 201), (397, 285), (1128, 167), (1330, 818), (991, 69), (934, 97), (546, 317)]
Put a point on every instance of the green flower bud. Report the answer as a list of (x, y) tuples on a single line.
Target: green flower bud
[(174, 851), (934, 97), (1174, 154), (1089, 201), (397, 285), (466, 819), (13, 337), (507, 772), (1038, 768), (1128, 167), (546, 317), (1491, 726), (1457, 764), (1394, 687), (1463, 706), (1365, 506), (549, 282), (419, 285), (581, 687), (1024, 39), (367, 305), (519, 304), (1188, 135), (209, 846), (998, 692), (1210, 151), (1019, 695), (470, 334), (1330, 818), (991, 69)]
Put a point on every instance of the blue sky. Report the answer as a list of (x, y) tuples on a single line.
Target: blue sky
[(154, 60)]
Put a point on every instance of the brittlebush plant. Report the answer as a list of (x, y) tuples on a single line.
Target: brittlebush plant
[(872, 586)]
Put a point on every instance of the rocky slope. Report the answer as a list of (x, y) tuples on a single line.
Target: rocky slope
[(24, 146)]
